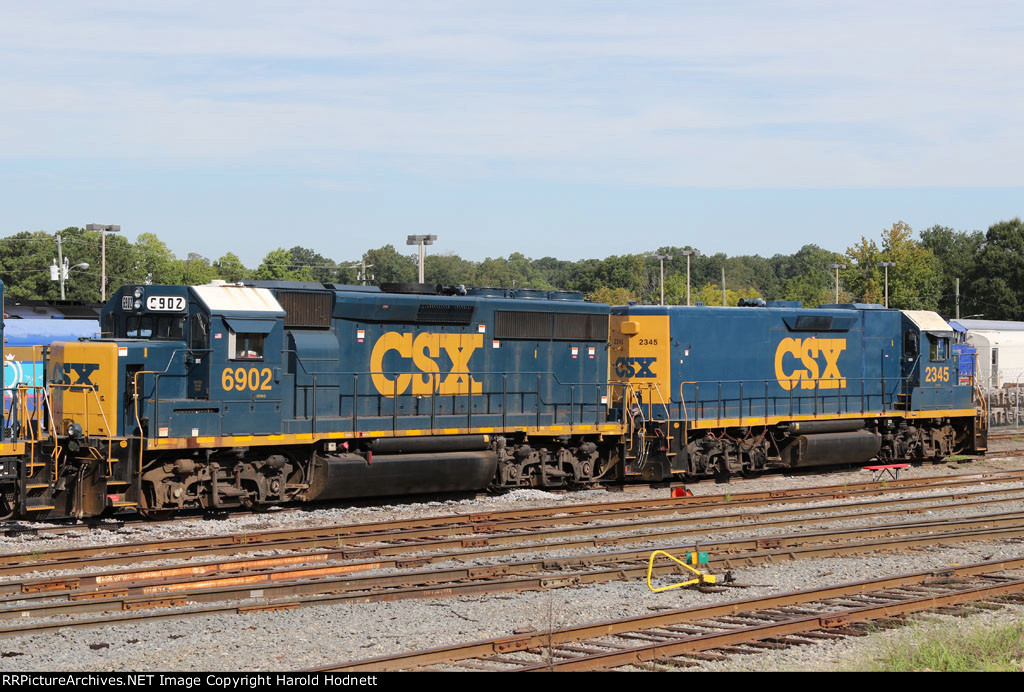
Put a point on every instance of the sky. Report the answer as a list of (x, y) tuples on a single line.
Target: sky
[(565, 129)]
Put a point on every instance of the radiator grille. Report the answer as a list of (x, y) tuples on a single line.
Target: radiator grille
[(516, 324), (306, 310), (581, 326), (433, 313), (571, 326)]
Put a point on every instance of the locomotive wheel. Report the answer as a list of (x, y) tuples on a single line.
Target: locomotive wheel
[(8, 503)]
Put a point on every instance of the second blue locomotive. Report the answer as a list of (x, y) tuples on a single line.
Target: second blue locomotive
[(713, 391)]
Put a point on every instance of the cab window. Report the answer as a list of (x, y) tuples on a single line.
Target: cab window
[(155, 327), (246, 346), (909, 343), (939, 350), (200, 332)]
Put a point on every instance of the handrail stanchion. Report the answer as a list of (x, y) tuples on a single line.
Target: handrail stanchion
[(355, 402)]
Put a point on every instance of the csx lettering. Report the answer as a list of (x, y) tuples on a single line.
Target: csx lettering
[(635, 367), (423, 350), (807, 352), (82, 371), (246, 378)]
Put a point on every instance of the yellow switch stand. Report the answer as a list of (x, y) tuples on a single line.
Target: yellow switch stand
[(701, 577)]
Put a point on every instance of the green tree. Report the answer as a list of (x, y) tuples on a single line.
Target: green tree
[(390, 266), (913, 282), (711, 294), (25, 260), (450, 270), (229, 268), (278, 266), (612, 296), (514, 271), (805, 276), (152, 261), (957, 255), (320, 268), (997, 291), (194, 270)]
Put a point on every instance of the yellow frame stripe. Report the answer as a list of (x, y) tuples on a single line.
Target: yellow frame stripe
[(613, 428), (306, 438), (772, 420)]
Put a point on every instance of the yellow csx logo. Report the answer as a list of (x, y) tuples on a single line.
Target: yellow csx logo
[(807, 352), (423, 349)]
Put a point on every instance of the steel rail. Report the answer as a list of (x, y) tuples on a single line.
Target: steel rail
[(578, 633), (523, 576), (450, 525), (836, 618), (492, 546)]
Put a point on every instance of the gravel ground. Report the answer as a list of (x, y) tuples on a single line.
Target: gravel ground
[(322, 635)]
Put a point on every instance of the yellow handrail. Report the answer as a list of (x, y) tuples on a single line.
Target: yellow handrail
[(94, 390)]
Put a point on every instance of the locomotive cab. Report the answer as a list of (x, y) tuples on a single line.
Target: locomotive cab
[(199, 361), (929, 365)]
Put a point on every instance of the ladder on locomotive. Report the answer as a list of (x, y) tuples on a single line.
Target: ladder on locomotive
[(639, 431)]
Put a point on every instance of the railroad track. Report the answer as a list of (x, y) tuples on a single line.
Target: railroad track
[(467, 530), (293, 588), (682, 638), (58, 527), (492, 545)]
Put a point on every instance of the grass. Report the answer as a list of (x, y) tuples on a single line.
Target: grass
[(946, 648)]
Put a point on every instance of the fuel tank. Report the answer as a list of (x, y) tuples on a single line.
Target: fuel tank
[(339, 476), (828, 449)]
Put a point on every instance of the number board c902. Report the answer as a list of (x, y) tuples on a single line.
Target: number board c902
[(165, 303)]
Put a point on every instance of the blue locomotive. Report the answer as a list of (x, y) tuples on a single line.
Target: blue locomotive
[(711, 391), (246, 395), (224, 395)]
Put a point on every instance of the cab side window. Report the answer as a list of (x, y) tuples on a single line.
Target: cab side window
[(199, 332), (246, 346), (910, 343), (939, 350)]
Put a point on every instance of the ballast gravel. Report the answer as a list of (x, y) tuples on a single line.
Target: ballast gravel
[(322, 635)]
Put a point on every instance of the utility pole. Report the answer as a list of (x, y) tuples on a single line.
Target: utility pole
[(421, 240), (723, 285), (886, 265), (103, 229), (688, 254), (60, 266), (661, 259), (361, 275), (60, 270), (837, 267), (956, 284)]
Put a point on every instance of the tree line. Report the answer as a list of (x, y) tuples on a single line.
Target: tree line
[(989, 266)]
